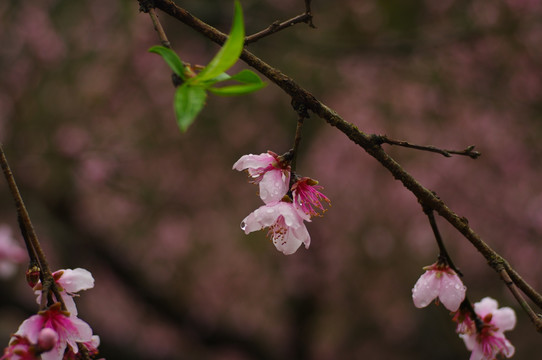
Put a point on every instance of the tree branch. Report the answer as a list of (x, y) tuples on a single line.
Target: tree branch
[(425, 197)]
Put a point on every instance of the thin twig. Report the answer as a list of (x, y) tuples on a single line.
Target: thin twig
[(302, 115), (31, 239), (159, 29), (425, 197), (278, 26), (468, 151), (523, 285), (466, 306), (535, 318), (442, 249)]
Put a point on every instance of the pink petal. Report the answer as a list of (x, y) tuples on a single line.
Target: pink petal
[(504, 318), (68, 301), (426, 289), (288, 244), (31, 328), (76, 280), (452, 291), (510, 349), (264, 216), (253, 161), (470, 340), (273, 186), (294, 237), (485, 306), (302, 234), (477, 353), (79, 331), (57, 353)]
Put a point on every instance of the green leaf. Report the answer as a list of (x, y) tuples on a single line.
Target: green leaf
[(236, 89), (188, 102), (247, 76), (171, 58), (221, 77), (230, 52), (250, 83)]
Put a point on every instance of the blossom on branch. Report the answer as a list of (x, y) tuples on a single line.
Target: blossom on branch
[(439, 281), (285, 222), (308, 197), (267, 170), (69, 282), (487, 340), (70, 330)]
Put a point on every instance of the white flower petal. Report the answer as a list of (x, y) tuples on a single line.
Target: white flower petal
[(287, 244), (302, 234), (504, 318), (426, 289), (76, 280), (452, 291), (264, 216), (485, 306), (273, 186), (253, 161), (31, 328)]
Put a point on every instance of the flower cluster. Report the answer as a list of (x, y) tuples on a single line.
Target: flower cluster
[(483, 332), (54, 333), (285, 209), (484, 336)]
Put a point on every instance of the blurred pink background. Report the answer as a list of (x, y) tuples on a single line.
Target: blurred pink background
[(112, 186)]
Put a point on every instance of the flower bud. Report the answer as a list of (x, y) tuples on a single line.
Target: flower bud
[(33, 275), (47, 339)]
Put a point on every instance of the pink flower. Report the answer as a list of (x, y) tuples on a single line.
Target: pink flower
[(269, 172), (440, 281), (285, 223), (11, 253), (69, 282), (489, 341), (92, 349), (307, 197), (20, 348), (70, 331)]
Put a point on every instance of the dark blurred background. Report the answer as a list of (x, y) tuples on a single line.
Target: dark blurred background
[(112, 186)]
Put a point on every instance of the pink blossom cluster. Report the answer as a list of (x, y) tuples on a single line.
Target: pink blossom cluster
[(11, 253), (55, 333), (285, 208), (483, 334)]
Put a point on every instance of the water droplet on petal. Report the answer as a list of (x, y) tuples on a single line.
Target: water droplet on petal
[(243, 225)]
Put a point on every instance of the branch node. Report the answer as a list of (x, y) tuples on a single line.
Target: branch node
[(146, 5), (300, 108), (176, 80)]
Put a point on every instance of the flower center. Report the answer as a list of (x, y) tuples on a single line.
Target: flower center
[(277, 231)]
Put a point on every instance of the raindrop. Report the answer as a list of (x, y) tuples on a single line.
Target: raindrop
[(243, 225)]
